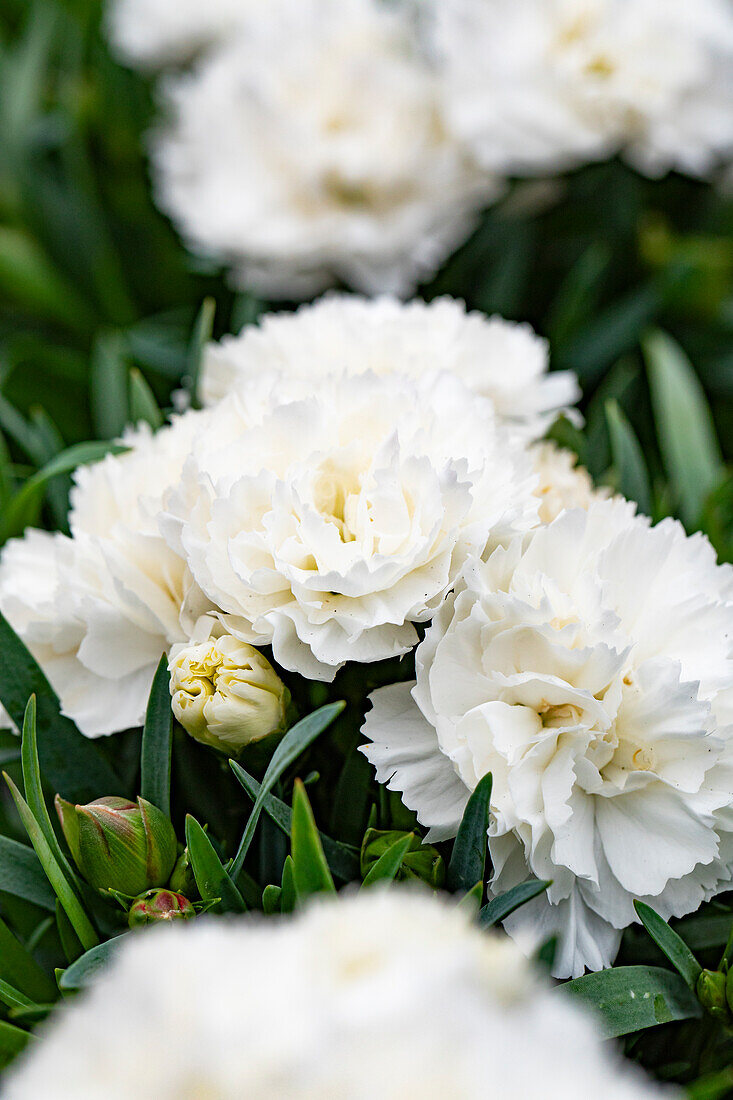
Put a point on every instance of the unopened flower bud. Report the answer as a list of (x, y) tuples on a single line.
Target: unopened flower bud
[(119, 845), (421, 861), (226, 694), (159, 905), (711, 992)]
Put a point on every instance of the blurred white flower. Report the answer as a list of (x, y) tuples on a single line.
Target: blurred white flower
[(388, 994), (342, 334), (537, 85), (588, 667), (340, 521), (312, 149), (562, 483), (98, 610), (226, 693), (153, 33)]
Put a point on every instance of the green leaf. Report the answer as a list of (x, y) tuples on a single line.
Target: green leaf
[(212, 879), (628, 459), (27, 501), (288, 896), (271, 900), (81, 972), (669, 943), (12, 1041), (143, 405), (71, 945), (22, 875), (684, 425), (202, 331), (108, 379), (310, 870), (503, 906), (71, 763), (74, 909), (12, 997), (631, 998), (18, 967), (295, 741), (388, 864), (468, 860), (713, 1086), (155, 763), (342, 858), (34, 790)]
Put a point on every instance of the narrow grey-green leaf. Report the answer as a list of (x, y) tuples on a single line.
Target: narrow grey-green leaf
[(74, 909), (389, 863), (108, 379), (81, 972), (503, 906), (628, 459), (12, 997), (143, 405), (468, 860), (630, 998), (18, 967), (672, 945), (22, 875), (211, 877), (202, 331), (310, 870), (685, 426), (12, 1041), (155, 761), (342, 858), (295, 741)]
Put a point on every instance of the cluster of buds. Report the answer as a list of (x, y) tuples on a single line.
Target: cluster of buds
[(226, 694), (128, 850), (715, 993), (421, 861)]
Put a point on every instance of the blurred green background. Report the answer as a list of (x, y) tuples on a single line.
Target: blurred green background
[(99, 300)]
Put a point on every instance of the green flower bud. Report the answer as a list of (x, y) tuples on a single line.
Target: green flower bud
[(711, 992), (422, 861), (119, 845), (226, 694), (159, 905)]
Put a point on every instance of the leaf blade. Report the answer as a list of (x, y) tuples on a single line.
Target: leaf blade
[(310, 870), (502, 907), (157, 743), (212, 879), (668, 942), (468, 860), (630, 998)]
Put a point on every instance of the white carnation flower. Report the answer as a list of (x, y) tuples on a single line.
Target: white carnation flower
[(537, 85), (562, 483), (98, 610), (385, 994), (342, 334), (589, 669), (152, 33), (340, 521), (312, 149)]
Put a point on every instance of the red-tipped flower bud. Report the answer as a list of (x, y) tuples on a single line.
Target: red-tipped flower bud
[(119, 845), (159, 905)]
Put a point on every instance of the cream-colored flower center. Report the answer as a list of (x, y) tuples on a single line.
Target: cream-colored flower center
[(336, 498)]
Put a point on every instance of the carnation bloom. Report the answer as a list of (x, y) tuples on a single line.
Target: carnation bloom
[(226, 693), (151, 33), (388, 994), (340, 521), (589, 669), (312, 149), (342, 334), (562, 484), (98, 610), (536, 85)]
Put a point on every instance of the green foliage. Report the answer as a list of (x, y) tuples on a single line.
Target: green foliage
[(468, 859), (310, 869), (630, 998), (157, 743)]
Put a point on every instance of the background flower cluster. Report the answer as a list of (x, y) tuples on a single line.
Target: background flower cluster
[(418, 583)]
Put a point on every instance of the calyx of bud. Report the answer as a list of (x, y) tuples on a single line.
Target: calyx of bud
[(226, 694), (159, 905), (119, 845)]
